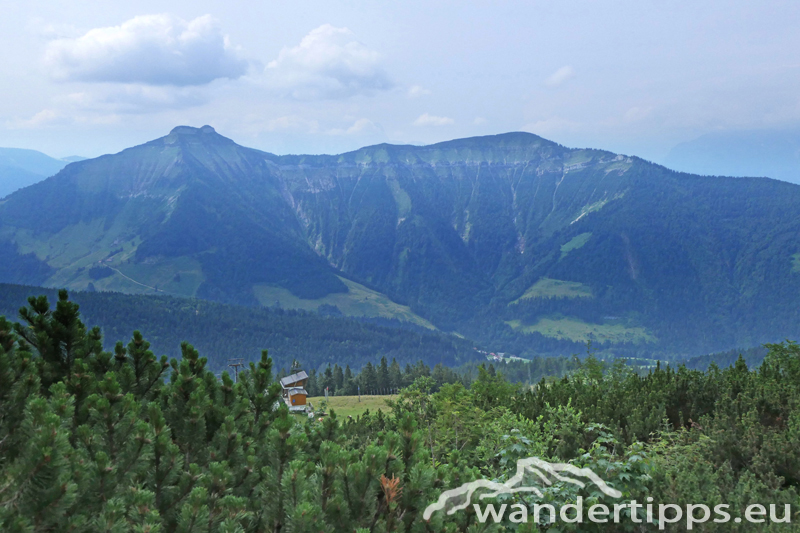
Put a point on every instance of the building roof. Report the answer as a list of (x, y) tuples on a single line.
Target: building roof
[(297, 390), (294, 378)]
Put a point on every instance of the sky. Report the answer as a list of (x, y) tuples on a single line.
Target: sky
[(88, 77)]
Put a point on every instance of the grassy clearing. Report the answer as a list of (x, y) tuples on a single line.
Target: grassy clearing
[(350, 406), (555, 288), (401, 198), (621, 166), (357, 301), (179, 276), (579, 156), (579, 331), (575, 243)]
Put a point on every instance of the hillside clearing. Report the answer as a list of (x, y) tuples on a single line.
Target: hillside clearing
[(358, 301), (555, 288), (577, 330)]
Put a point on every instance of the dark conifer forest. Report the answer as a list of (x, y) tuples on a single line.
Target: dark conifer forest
[(222, 332)]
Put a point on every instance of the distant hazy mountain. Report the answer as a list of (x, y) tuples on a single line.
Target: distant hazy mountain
[(511, 239), (770, 153), (20, 168), (74, 158)]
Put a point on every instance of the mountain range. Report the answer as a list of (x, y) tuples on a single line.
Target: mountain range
[(20, 168), (509, 239), (774, 153)]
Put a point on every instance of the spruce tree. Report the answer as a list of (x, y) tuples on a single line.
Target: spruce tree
[(327, 381), (369, 379), (395, 375), (349, 384), (338, 379), (382, 378)]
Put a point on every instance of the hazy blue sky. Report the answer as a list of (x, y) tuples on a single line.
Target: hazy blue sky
[(91, 77)]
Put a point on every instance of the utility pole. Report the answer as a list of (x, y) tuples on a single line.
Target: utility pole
[(235, 364)]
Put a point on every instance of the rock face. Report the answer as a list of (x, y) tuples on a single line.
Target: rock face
[(509, 238)]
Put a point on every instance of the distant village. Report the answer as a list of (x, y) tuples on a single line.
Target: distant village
[(501, 357)]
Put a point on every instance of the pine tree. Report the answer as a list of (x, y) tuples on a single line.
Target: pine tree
[(139, 371), (38, 486), (338, 379), (395, 375), (312, 384), (349, 385), (383, 375), (327, 381), (369, 379)]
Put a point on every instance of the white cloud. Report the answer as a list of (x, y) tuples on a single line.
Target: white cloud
[(328, 63), (560, 76), (42, 119), (479, 121), (109, 104), (416, 91), (362, 125), (133, 99), (151, 49), (432, 120), (636, 114), (255, 124)]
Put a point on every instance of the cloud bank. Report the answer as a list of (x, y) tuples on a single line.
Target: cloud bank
[(329, 63), (151, 50)]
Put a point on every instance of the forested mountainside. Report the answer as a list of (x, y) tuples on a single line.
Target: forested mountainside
[(225, 331), (509, 239), (753, 357)]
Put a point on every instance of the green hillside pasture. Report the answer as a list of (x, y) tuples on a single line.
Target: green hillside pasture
[(555, 288), (577, 330), (179, 276), (358, 301), (575, 243), (350, 406)]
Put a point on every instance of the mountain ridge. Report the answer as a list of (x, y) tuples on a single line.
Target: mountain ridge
[(458, 232)]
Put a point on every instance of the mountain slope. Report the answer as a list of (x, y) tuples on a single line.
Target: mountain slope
[(510, 239)]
